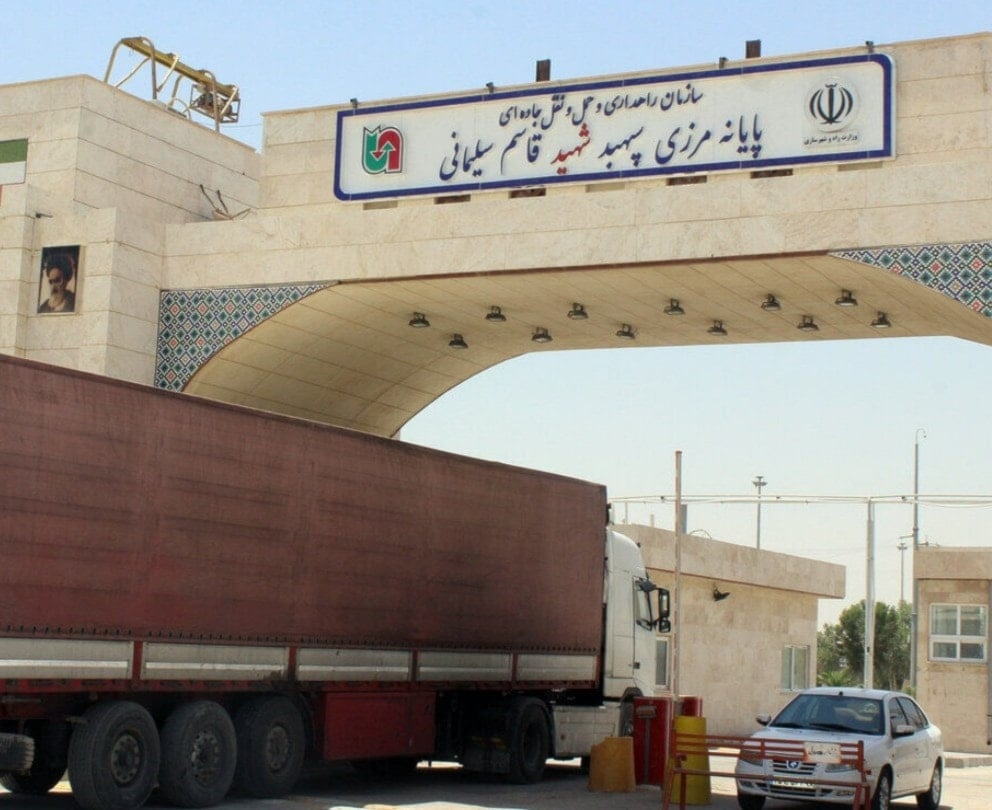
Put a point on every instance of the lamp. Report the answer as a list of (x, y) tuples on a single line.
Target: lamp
[(674, 307), (718, 595), (808, 324), (846, 299), (457, 342), (495, 315), (354, 104), (881, 321), (419, 321), (541, 335), (771, 304), (490, 87), (626, 331), (717, 328), (578, 312)]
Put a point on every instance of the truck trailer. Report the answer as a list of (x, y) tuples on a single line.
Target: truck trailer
[(195, 597)]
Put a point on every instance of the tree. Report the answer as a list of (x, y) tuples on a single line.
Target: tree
[(840, 647)]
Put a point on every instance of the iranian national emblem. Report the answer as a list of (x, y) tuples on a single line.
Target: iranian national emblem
[(383, 152), (832, 105)]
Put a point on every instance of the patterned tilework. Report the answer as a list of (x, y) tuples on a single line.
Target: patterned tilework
[(193, 325), (960, 271)]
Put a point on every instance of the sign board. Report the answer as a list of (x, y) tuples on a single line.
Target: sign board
[(745, 118), (822, 752)]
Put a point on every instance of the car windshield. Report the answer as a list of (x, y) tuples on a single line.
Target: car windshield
[(854, 715)]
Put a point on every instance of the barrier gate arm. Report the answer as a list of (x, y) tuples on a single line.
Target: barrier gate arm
[(685, 745)]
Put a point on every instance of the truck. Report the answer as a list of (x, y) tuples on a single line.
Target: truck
[(199, 597)]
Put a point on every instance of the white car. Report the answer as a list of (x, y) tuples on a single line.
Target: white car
[(902, 750)]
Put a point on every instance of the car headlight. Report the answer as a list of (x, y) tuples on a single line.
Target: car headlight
[(838, 767), (757, 763)]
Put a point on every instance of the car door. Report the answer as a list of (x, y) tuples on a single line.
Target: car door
[(923, 753), (903, 752)]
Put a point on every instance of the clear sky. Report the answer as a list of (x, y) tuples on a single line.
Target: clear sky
[(813, 417)]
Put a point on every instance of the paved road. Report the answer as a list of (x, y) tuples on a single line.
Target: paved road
[(564, 788)]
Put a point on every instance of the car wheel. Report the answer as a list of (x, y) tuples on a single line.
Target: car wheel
[(748, 801), (883, 791), (931, 799)]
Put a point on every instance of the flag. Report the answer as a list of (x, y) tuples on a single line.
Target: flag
[(13, 161)]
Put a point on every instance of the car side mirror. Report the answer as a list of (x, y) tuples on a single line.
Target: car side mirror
[(903, 730), (763, 719)]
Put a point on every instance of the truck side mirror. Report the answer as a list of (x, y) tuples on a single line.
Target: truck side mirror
[(664, 611)]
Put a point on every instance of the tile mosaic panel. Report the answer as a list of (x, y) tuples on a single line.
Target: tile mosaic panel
[(193, 325), (960, 271)]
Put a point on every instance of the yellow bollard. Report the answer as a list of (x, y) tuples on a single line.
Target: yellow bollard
[(697, 788), (611, 766)]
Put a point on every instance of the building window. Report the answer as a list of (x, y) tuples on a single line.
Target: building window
[(958, 633), (661, 661), (795, 667)]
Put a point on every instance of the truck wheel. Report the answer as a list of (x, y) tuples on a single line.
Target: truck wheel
[(51, 745), (199, 751), (114, 757), (16, 752), (271, 745), (36, 782), (530, 741)]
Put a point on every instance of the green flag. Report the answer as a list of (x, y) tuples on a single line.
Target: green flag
[(13, 161)]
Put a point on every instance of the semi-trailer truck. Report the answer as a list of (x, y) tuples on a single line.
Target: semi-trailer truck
[(196, 596)]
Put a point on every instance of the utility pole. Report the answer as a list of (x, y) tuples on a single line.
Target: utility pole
[(869, 648), (759, 482), (914, 619)]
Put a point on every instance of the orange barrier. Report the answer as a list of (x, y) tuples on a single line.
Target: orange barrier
[(688, 748)]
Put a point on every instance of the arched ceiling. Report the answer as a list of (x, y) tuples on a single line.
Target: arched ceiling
[(346, 355)]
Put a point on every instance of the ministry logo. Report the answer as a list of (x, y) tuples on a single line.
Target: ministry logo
[(832, 105), (383, 150)]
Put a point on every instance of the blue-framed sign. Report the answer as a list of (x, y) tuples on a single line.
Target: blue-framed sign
[(748, 118)]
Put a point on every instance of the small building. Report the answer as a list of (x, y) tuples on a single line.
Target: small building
[(745, 636), (954, 677)]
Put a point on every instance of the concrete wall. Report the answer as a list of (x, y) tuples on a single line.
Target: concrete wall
[(731, 650), (956, 695), (109, 172)]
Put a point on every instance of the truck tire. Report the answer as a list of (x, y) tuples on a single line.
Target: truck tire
[(271, 745), (16, 752), (199, 751), (114, 757), (51, 745), (530, 741)]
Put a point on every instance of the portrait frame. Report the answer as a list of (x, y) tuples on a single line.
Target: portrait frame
[(58, 280)]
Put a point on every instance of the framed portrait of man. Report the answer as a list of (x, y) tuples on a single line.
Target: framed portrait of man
[(59, 279)]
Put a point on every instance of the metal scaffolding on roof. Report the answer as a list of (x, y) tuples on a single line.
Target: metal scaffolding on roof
[(215, 100)]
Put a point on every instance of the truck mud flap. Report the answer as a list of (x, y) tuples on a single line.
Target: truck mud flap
[(16, 752)]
